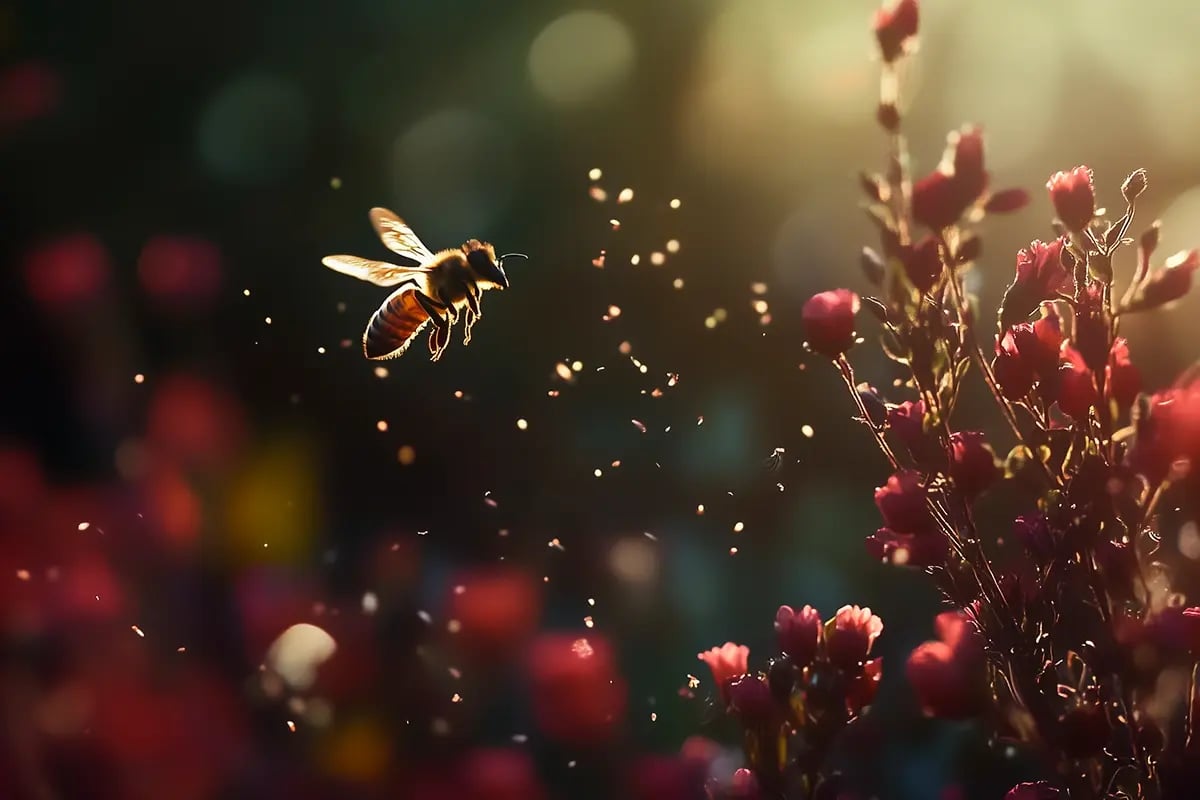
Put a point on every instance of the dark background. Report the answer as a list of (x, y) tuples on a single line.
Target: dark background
[(262, 133)]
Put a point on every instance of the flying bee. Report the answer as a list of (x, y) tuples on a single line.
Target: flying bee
[(436, 287)]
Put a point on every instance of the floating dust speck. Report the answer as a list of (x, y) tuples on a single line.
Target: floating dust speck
[(563, 371), (245, 292), (345, 344), (137, 630), (598, 261), (577, 366), (760, 306), (613, 313), (552, 392), (677, 283), (595, 174), (520, 738), (654, 716), (591, 601), (650, 536), (710, 322), (738, 527), (637, 423), (458, 394), (598, 194), (455, 672), (381, 426), (406, 455), (180, 649), (699, 420), (341, 307), (615, 223), (425, 617), (672, 378), (625, 348), (457, 698), (758, 287), (321, 350), (83, 526), (370, 603), (658, 258), (139, 378), (733, 551), (700, 510), (555, 544), (267, 320), (597, 472), (381, 372), (615, 464), (522, 424), (807, 430), (625, 195), (489, 500), (440, 727), (22, 574), (291, 725), (589, 622), (656, 392), (635, 259), (675, 203), (720, 314), (453, 626), (673, 246)]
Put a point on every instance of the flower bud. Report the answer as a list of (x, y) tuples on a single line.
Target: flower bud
[(894, 26), (1134, 185), (828, 320), (1076, 389), (849, 636), (1013, 371), (727, 662), (936, 201), (1006, 201), (948, 676), (902, 503), (969, 175), (888, 117), (1170, 283), (743, 786), (862, 690), (798, 633), (972, 462), (1073, 197), (1040, 276)]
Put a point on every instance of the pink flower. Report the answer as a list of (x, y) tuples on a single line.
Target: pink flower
[(751, 699), (862, 690), (1077, 386), (894, 26), (941, 197), (969, 175), (799, 633), (948, 675), (902, 503), (727, 662), (743, 786), (1170, 283), (1014, 372), (1040, 276), (1033, 791), (1122, 380), (1073, 197), (1170, 432), (854, 631), (828, 320), (578, 695), (972, 462)]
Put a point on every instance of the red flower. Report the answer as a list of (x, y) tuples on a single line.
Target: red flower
[(862, 690), (1034, 533), (907, 422), (750, 698), (948, 675), (499, 773), (941, 197), (894, 26), (1013, 371), (849, 640), (1007, 200), (828, 320), (727, 662), (578, 697), (1122, 380), (743, 786), (902, 503), (972, 462), (1168, 433), (969, 174), (1073, 197), (798, 633), (1040, 276), (497, 608), (1077, 386)]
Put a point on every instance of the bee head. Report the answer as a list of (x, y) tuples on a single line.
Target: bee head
[(481, 257)]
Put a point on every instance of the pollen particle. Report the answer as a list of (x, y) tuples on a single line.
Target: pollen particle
[(381, 425), (522, 424), (595, 174), (406, 455), (625, 196), (675, 203), (139, 378)]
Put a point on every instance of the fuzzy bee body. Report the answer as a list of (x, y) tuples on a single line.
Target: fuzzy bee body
[(438, 289)]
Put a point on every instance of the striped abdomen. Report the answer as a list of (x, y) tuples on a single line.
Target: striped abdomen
[(394, 325)]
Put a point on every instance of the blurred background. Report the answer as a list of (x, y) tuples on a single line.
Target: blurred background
[(194, 454)]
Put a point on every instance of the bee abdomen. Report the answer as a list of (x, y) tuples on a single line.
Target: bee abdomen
[(394, 325)]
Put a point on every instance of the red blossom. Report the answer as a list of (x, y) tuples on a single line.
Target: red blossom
[(1168, 284), (1073, 197), (1040, 276), (1033, 791), (727, 662), (497, 608), (923, 264), (578, 697), (902, 503), (894, 26), (828, 320), (907, 422), (798, 633), (1168, 433), (848, 640), (1122, 380), (948, 675), (972, 462), (907, 549), (937, 202), (1006, 201), (1076, 387), (750, 698)]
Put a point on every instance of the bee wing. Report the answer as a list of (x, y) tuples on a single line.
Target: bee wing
[(398, 237), (379, 273), (395, 324)]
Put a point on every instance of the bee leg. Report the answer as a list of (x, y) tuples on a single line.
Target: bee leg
[(473, 298), (468, 320), (433, 308), (438, 339), (451, 311)]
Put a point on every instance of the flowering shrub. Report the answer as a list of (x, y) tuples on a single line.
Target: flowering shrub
[(1078, 647)]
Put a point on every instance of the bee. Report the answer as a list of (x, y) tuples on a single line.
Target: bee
[(434, 288)]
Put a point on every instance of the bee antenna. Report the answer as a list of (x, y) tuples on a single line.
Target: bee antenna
[(514, 255)]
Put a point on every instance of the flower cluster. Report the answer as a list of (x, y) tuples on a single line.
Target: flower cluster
[(1082, 643), (821, 680)]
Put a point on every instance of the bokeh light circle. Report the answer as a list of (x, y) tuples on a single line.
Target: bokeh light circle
[(254, 130), (457, 167), (580, 56)]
